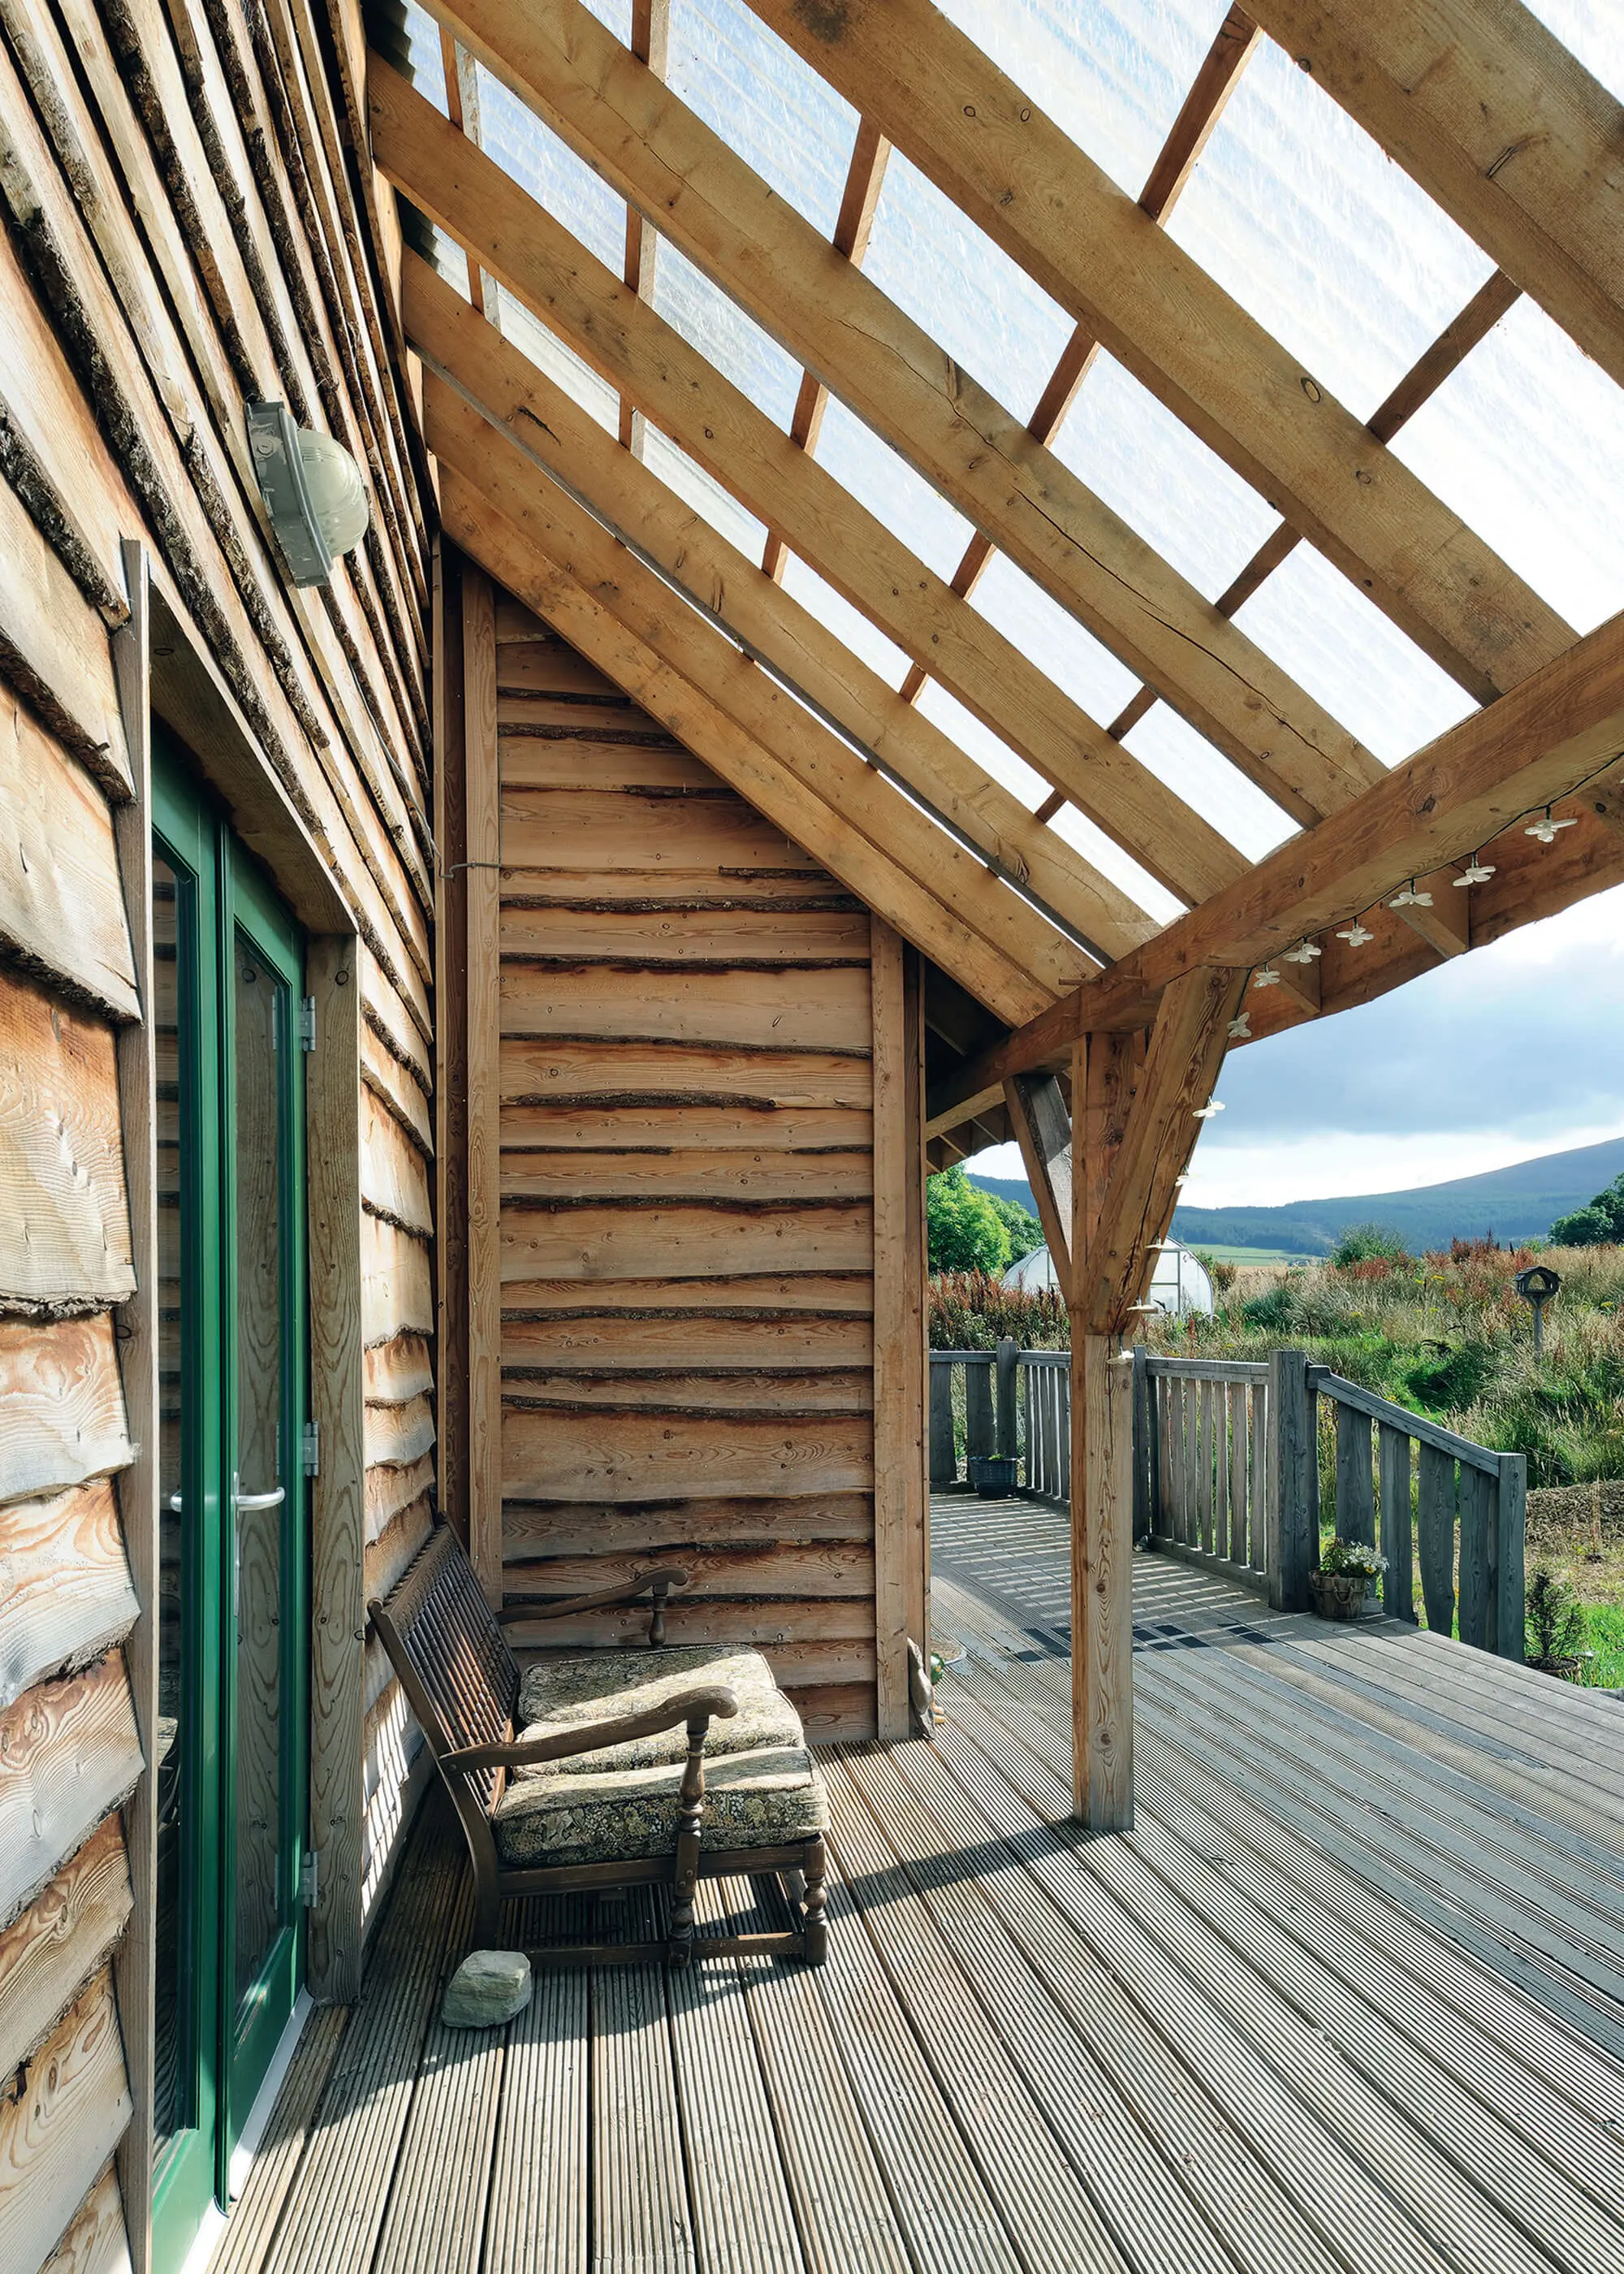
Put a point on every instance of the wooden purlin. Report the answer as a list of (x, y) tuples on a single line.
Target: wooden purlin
[(491, 374), (1501, 124), (651, 44), (825, 312), (1013, 171), (853, 225), (1203, 107)]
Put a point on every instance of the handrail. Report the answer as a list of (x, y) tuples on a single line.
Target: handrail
[(1208, 1369), (1400, 1417)]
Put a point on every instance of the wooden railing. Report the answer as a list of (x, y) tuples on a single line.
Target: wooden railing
[(1226, 1474), (1009, 1401)]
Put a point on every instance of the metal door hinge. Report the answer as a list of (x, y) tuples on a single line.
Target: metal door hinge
[(310, 1449), (309, 1875), (307, 1022)]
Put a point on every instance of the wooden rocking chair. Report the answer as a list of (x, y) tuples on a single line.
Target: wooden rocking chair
[(627, 1802)]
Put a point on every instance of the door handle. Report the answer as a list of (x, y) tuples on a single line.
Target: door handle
[(260, 1500), (240, 1500)]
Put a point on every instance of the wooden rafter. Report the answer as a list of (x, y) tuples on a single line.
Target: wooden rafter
[(1495, 118), (854, 226), (1201, 109), (836, 322), (1559, 732), (1013, 171), (866, 833), (462, 109), (538, 259), (493, 375), (651, 45)]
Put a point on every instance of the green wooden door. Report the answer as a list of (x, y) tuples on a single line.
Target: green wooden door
[(232, 1613)]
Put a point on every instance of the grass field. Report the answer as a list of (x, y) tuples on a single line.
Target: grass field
[(1279, 1255)]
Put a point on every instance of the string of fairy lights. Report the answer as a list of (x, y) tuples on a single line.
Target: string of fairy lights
[(1544, 829)]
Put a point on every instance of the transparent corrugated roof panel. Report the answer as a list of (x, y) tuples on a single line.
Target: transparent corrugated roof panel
[(1054, 639), (865, 640), (771, 108), (1526, 442), (427, 69), (541, 162), (558, 360), (703, 493), (1302, 219), (1161, 479), (884, 481), (1121, 868), (1114, 77), (963, 290), (1340, 647), (1169, 747), (724, 335)]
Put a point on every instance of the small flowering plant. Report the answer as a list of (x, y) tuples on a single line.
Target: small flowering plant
[(1352, 1557)]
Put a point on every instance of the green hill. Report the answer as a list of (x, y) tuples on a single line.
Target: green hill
[(1511, 1204)]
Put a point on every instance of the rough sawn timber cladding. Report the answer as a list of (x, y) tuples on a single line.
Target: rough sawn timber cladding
[(688, 1213)]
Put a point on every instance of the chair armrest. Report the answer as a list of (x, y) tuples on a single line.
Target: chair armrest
[(696, 1707), (660, 1582)]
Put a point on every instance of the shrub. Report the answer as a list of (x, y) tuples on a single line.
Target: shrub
[(1223, 1276), (1552, 1619), (968, 1310), (1366, 1243)]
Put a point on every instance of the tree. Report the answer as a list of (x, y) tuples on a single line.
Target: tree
[(963, 1226), (1363, 1243), (1598, 1225), (1024, 1231)]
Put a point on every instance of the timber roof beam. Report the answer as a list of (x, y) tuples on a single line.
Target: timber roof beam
[(1018, 176), (536, 258), (841, 327), (1501, 124)]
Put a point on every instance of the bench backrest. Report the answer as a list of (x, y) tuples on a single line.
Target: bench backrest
[(455, 1656)]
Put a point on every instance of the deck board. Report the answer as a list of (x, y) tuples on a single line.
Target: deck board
[(1348, 1997)]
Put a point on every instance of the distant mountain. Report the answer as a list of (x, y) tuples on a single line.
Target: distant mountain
[(1513, 1204)]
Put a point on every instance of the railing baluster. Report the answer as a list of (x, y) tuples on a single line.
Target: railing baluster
[(1510, 1524), (1397, 1537), (1435, 1525), (1356, 1511), (1238, 1510), (1476, 1514)]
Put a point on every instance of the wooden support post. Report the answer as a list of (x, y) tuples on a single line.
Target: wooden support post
[(916, 1264), (138, 1353), (978, 1412), (1292, 1510), (1102, 1585), (1006, 1364), (1507, 1584), (485, 1259), (943, 1454), (898, 1393), (450, 1044)]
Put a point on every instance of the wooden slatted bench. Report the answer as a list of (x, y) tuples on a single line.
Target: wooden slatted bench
[(590, 1771)]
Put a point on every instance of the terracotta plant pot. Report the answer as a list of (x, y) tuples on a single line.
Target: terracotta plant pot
[(1339, 1594)]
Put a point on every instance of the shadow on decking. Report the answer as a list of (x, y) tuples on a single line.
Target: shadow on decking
[(1349, 1999)]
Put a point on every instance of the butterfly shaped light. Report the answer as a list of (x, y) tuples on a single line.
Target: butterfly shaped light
[(1477, 873), (1410, 899), (1355, 934), (1240, 1029), (1304, 952), (1206, 1112), (1266, 977), (1545, 829)]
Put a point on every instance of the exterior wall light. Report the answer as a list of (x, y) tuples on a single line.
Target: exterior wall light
[(312, 491)]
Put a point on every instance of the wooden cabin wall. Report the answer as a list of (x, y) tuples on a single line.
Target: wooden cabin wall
[(687, 1244), (183, 226)]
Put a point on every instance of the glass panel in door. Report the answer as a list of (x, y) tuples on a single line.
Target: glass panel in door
[(261, 1008)]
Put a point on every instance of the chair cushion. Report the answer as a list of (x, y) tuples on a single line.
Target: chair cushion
[(770, 1797), (571, 1693)]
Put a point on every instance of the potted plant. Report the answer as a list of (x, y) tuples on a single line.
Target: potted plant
[(993, 1475), (1348, 1570)]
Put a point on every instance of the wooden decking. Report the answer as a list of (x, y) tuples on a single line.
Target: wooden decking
[(1351, 1996)]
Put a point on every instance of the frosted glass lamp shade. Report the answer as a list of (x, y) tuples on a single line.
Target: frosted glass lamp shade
[(312, 491), (337, 494)]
